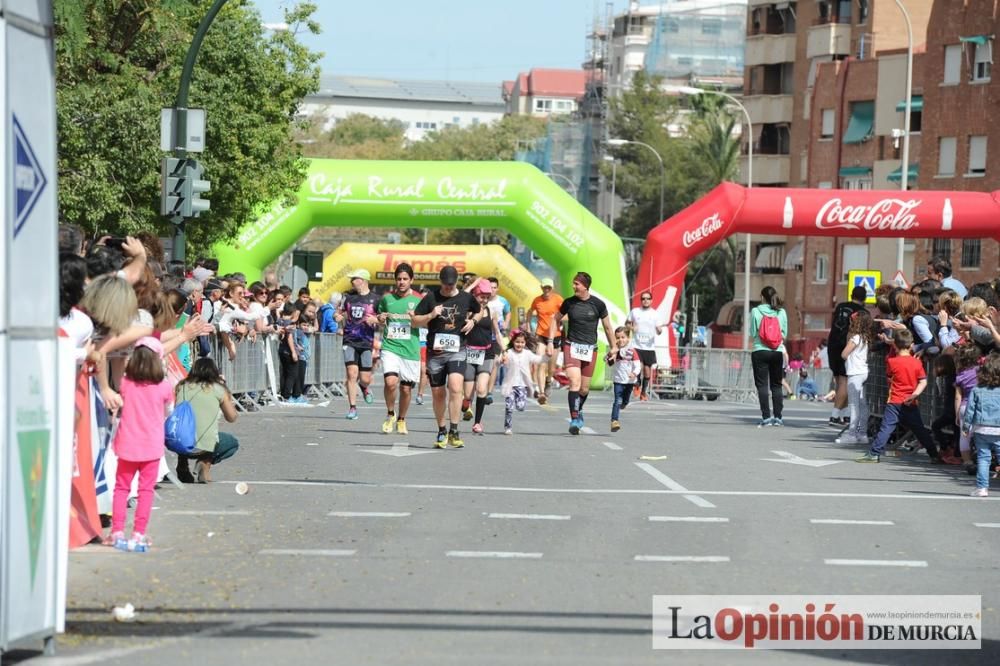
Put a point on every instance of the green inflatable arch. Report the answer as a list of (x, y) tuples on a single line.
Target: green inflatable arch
[(505, 195)]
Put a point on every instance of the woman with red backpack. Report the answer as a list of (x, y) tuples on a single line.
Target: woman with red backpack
[(768, 328)]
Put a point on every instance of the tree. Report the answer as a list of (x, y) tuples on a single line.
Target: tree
[(357, 137), (119, 61)]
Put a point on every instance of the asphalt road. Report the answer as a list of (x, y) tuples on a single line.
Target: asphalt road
[(537, 548)]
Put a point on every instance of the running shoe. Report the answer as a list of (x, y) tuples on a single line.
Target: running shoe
[(574, 426), (615, 426), (764, 423), (467, 414), (643, 397), (867, 458), (508, 431), (139, 543), (455, 440), (390, 421), (478, 428), (980, 492), (401, 427), (489, 399), (352, 414), (419, 399), (116, 540), (442, 440), (369, 396), (776, 421), (848, 438), (542, 399)]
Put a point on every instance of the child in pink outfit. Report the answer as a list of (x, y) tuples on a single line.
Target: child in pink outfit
[(139, 443)]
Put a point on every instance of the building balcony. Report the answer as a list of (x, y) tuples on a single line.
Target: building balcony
[(759, 3), (767, 169), (766, 109), (637, 40), (829, 39), (769, 49)]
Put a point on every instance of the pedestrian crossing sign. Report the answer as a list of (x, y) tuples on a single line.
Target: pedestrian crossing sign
[(870, 280)]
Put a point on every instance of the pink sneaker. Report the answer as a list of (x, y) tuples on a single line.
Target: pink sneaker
[(478, 429)]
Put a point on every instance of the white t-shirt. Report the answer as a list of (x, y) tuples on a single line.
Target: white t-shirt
[(857, 360), (79, 328), (644, 321), (257, 311)]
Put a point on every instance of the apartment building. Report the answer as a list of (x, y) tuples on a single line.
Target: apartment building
[(544, 92)]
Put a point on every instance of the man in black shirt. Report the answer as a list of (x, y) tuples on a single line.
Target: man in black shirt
[(836, 342), (448, 314), (580, 343)]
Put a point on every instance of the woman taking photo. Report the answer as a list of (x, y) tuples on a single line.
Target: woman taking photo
[(768, 329), (206, 390)]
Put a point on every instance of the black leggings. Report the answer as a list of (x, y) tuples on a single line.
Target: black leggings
[(768, 371)]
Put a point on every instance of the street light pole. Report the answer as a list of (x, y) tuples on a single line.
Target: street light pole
[(904, 181), (614, 174), (569, 182), (625, 142), (689, 90)]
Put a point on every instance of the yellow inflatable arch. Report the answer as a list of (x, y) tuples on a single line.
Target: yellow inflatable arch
[(517, 284)]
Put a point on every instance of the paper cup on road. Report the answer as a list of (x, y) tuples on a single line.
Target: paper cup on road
[(242, 488)]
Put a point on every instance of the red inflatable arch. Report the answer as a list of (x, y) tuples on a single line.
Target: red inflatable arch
[(731, 208)]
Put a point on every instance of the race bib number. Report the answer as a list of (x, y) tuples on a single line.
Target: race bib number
[(399, 330), (357, 311), (446, 342), (581, 352), (475, 356), (644, 338)]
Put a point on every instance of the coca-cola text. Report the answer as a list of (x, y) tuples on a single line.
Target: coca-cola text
[(884, 215), (708, 227)]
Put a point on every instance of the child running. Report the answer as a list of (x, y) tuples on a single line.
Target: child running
[(139, 443), (517, 379), (982, 421), (626, 368), (907, 380), (860, 333)]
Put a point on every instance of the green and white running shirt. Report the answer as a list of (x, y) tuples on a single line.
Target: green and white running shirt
[(398, 336)]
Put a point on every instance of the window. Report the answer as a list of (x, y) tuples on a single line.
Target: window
[(673, 25), (946, 156), (972, 251), (455, 120), (952, 64), (860, 183), (916, 120), (977, 155), (982, 61), (855, 258), (543, 104), (941, 247), (827, 130), (825, 185), (862, 11), (711, 26), (475, 121), (684, 60), (822, 268)]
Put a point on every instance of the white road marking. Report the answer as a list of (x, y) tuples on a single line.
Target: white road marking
[(837, 521), (528, 516), (494, 554), (209, 513), (786, 457), (627, 491), (876, 563), (687, 519), (986, 524), (613, 446), (307, 551), (312, 443), (398, 450), (673, 485), (681, 558), (368, 514)]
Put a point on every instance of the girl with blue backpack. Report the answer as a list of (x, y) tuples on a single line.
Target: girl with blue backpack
[(768, 329)]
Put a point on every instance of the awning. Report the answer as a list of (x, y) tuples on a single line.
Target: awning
[(859, 129), (855, 171), (794, 257), (911, 174), (975, 39), (916, 104), (770, 256)]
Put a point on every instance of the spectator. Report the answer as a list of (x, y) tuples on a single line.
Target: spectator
[(71, 239), (939, 268), (842, 316), (806, 389), (205, 388), (328, 314), (769, 328)]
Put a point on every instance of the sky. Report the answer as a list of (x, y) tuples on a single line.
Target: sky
[(455, 40)]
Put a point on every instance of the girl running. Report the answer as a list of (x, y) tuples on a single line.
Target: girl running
[(480, 356), (860, 334), (139, 443), (626, 368), (517, 379)]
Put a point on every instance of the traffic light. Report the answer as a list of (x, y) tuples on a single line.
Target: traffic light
[(192, 187), (173, 172)]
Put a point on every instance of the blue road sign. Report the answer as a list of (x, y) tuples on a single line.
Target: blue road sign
[(29, 179)]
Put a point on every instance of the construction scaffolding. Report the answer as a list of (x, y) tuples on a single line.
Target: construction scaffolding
[(699, 40), (565, 154)]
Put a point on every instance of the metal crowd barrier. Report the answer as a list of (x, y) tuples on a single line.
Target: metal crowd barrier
[(254, 375), (932, 401)]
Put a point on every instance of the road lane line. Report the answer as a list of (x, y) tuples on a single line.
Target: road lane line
[(613, 446), (673, 485), (838, 521), (493, 554), (208, 512), (876, 563), (529, 516), (367, 514), (307, 551), (986, 524), (687, 519), (681, 558)]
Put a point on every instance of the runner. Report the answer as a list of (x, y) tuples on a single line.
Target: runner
[(480, 356), (500, 312), (448, 314), (357, 315), (400, 348), (584, 312), (545, 308), (645, 327)]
